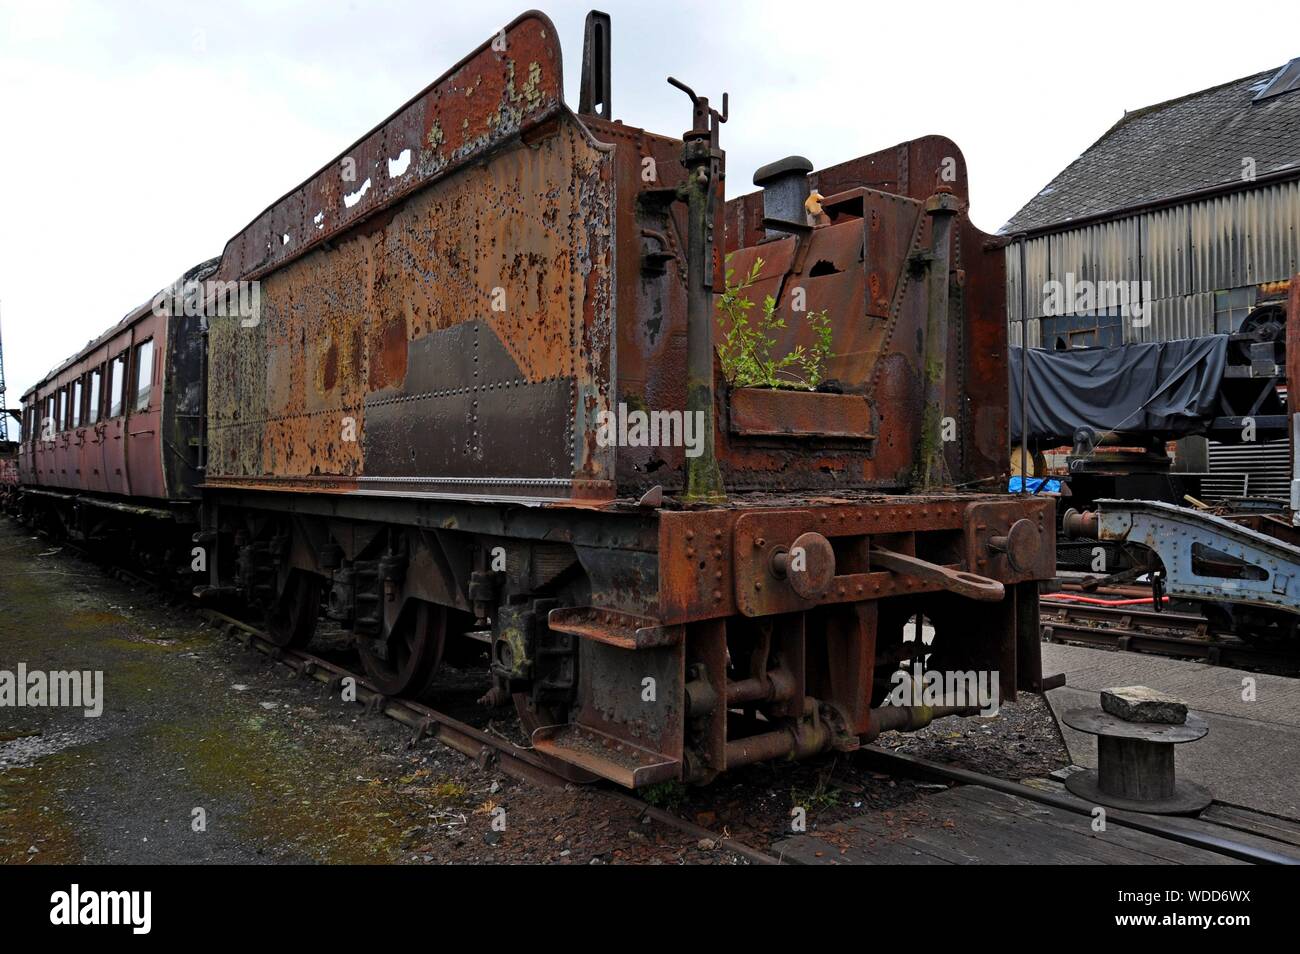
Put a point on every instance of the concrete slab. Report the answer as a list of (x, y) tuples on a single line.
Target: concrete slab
[(1251, 756)]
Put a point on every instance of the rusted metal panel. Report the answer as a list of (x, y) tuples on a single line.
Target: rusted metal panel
[(865, 265), (911, 169), (459, 343), (650, 335), (982, 408), (718, 562), (508, 85), (695, 564), (756, 412)]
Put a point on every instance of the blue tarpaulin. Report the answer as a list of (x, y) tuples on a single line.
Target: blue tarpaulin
[(1036, 485)]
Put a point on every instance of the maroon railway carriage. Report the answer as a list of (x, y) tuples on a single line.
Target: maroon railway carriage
[(413, 438), (114, 434)]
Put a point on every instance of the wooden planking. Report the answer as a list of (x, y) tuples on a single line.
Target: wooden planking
[(1116, 845), (1255, 823), (971, 824), (812, 850), (1251, 828)]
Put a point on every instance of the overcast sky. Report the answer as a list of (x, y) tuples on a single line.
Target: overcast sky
[(137, 137)]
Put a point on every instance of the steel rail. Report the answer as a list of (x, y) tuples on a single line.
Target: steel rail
[(1172, 634)]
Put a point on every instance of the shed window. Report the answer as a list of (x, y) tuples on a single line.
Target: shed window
[(1231, 308)]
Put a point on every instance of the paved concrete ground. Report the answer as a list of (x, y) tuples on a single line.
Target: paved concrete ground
[(1251, 756)]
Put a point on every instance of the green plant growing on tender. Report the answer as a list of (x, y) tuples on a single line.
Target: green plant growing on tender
[(746, 347)]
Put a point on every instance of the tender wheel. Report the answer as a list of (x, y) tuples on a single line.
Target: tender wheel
[(406, 662), (292, 623)]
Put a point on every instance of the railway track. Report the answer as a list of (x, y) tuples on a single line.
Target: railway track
[(490, 751), (1134, 627), (487, 750)]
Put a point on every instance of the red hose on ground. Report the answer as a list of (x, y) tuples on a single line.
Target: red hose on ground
[(1051, 597)]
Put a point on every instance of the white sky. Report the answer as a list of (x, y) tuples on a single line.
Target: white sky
[(137, 137)]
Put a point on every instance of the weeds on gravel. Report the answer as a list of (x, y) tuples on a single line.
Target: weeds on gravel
[(448, 790), (667, 795), (821, 797)]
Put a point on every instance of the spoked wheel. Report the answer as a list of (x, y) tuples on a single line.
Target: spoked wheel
[(406, 663), (532, 719), (292, 622)]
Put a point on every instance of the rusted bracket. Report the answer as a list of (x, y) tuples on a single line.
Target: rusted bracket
[(970, 585), (613, 627), (425, 729)]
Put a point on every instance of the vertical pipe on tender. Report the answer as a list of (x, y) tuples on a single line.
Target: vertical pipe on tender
[(1024, 370), (704, 171)]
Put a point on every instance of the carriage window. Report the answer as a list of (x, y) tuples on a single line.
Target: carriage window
[(92, 398), (143, 374), (77, 390), (49, 425), (63, 408), (116, 385)]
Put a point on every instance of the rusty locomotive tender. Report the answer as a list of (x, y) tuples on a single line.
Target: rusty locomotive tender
[(404, 437)]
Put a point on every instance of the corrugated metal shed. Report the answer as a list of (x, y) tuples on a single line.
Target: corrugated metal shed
[(1185, 252)]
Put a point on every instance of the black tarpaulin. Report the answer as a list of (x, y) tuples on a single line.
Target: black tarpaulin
[(1168, 388)]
